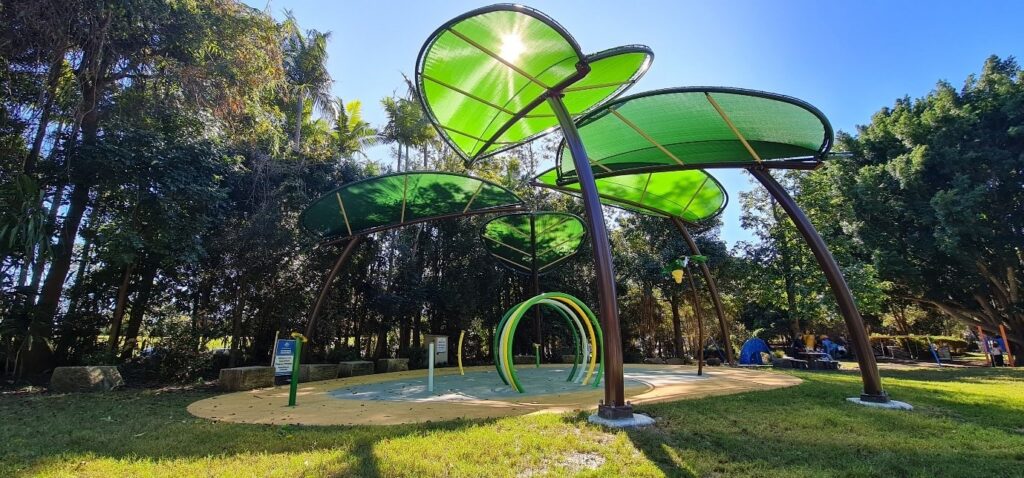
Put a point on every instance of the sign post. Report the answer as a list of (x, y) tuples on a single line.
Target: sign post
[(430, 366), (293, 390)]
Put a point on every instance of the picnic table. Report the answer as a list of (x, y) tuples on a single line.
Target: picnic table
[(819, 360)]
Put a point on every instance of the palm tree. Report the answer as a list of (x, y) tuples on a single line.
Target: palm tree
[(305, 64), (407, 126), (351, 134)]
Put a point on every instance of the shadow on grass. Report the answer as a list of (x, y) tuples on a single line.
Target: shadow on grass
[(968, 422), (44, 432), (809, 430)]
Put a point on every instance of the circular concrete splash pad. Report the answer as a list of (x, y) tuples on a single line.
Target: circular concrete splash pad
[(395, 398)]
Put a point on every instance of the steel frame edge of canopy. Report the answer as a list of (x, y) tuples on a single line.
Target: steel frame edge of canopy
[(809, 164), (650, 211), (479, 212), (870, 376), (582, 69)]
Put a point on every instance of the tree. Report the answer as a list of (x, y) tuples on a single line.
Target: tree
[(351, 134), (305, 64), (935, 184)]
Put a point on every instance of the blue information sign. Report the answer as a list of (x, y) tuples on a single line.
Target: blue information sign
[(284, 357)]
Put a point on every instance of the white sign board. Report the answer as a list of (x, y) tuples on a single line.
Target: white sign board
[(442, 345)]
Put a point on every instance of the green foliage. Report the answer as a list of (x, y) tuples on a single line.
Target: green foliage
[(24, 226), (934, 185)]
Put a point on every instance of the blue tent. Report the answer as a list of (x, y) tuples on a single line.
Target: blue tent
[(750, 354)]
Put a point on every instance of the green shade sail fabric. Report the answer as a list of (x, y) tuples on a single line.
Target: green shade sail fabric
[(550, 237), (483, 77), (393, 200), (692, 195), (698, 127)]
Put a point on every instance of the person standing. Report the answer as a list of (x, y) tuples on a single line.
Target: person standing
[(997, 354)]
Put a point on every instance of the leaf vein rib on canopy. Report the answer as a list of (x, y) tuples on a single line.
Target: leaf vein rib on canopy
[(499, 59), (485, 97), (646, 136), (549, 235), (392, 200), (698, 127), (732, 126)]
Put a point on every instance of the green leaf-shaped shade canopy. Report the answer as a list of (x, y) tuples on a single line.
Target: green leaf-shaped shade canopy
[(393, 200), (689, 128), (484, 76), (552, 238), (692, 195)]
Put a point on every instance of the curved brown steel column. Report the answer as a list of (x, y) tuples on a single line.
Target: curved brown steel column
[(723, 323), (345, 253), (854, 323), (614, 405), (699, 314)]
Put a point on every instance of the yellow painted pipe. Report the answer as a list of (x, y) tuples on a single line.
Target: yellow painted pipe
[(458, 354)]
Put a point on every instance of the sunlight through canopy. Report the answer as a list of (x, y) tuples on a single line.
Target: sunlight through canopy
[(698, 127), (532, 240), (692, 195), (394, 200), (483, 77)]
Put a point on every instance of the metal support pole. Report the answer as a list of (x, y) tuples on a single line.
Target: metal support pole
[(854, 323), (716, 299), (1006, 343), (430, 365), (700, 322), (536, 277), (352, 243), (614, 405)]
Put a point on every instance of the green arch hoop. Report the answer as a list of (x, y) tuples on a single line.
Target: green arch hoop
[(504, 338)]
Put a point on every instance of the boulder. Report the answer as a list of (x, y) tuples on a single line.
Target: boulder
[(100, 378), (675, 361), (246, 378), (392, 365), (355, 368), (315, 372)]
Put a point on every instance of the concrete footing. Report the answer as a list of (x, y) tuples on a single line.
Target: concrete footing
[(890, 405), (636, 421)]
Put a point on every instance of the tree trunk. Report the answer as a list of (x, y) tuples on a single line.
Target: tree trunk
[(122, 299), (47, 97), (404, 335), (38, 263), (382, 343), (299, 109), (677, 326), (236, 323), (139, 307), (53, 285), (787, 275)]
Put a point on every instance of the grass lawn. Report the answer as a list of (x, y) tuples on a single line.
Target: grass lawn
[(967, 422)]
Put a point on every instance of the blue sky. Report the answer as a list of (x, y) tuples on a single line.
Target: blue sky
[(847, 58)]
